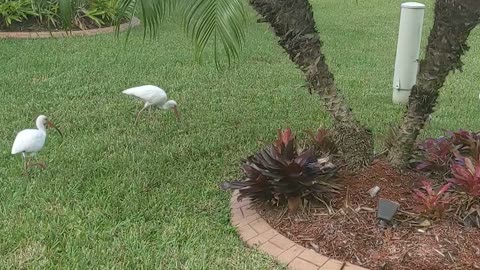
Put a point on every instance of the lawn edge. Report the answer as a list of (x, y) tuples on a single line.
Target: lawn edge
[(60, 34), (256, 233)]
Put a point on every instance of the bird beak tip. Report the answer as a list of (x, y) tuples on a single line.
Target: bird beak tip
[(177, 114)]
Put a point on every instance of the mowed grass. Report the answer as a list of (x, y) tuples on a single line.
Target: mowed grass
[(120, 196)]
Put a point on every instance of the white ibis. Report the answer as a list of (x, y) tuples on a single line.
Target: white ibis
[(30, 141), (152, 95)]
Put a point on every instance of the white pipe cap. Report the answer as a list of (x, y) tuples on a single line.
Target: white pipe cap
[(413, 5)]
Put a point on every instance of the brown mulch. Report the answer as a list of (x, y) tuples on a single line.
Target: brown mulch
[(351, 232)]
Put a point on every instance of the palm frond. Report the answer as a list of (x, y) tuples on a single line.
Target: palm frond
[(220, 21), (152, 13)]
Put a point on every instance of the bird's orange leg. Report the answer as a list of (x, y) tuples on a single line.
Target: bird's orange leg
[(138, 116), (39, 164), (29, 164), (139, 112)]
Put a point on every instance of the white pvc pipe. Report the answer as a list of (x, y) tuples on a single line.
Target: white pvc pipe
[(408, 51)]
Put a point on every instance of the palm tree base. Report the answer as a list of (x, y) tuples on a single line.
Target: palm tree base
[(454, 20)]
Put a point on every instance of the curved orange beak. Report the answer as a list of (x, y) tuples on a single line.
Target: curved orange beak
[(177, 114), (50, 124)]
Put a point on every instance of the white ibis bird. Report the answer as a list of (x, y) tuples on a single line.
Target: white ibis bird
[(30, 141), (152, 95)]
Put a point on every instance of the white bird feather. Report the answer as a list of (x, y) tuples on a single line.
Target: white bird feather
[(148, 93), (31, 141)]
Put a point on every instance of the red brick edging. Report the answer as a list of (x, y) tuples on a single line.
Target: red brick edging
[(90, 32), (256, 232)]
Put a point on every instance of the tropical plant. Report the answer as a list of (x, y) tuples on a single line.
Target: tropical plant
[(84, 13), (47, 12), (453, 22), (15, 11), (435, 155), (439, 154), (467, 176), (280, 173), (293, 23), (433, 203), (109, 10), (468, 143), (96, 12)]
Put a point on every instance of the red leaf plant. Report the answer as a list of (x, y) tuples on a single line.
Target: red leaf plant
[(466, 175), (433, 203)]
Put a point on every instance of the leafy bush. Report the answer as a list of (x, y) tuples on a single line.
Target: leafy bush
[(86, 13), (439, 154), (15, 11), (433, 203), (467, 176), (281, 172), (47, 13), (455, 156), (466, 143)]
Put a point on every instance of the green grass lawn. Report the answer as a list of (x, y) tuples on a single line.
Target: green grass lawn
[(120, 196)]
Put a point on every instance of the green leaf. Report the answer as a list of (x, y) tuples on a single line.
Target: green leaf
[(220, 21), (65, 8), (152, 12), (217, 22)]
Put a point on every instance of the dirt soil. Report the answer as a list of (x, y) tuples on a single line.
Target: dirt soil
[(352, 233)]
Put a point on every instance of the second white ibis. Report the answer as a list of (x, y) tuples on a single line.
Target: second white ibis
[(152, 95)]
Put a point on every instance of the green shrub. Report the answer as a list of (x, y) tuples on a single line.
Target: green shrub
[(86, 13), (15, 11)]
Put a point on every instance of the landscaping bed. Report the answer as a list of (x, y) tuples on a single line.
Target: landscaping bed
[(351, 233), (426, 216), (47, 16), (32, 25)]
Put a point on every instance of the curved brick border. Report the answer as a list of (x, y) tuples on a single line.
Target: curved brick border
[(90, 32), (256, 232)]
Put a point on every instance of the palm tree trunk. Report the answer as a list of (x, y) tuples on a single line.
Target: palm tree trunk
[(454, 20), (294, 25)]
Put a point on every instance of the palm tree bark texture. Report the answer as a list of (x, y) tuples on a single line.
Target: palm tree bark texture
[(454, 20), (294, 25)]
